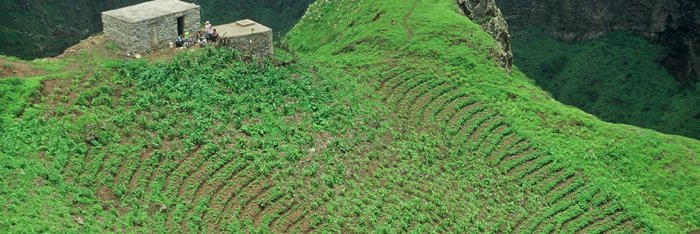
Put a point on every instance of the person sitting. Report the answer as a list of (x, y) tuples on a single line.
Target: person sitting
[(179, 41), (214, 36), (199, 34), (202, 41)]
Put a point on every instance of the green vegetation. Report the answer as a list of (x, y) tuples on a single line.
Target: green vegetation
[(392, 120), (615, 78)]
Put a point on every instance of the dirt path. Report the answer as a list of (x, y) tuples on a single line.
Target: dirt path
[(17, 69), (404, 23)]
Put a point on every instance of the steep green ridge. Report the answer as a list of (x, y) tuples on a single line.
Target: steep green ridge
[(393, 120), (615, 78)]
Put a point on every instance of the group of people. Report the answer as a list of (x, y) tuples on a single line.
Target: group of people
[(200, 39)]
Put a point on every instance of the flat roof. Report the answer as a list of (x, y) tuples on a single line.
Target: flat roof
[(241, 27), (150, 10)]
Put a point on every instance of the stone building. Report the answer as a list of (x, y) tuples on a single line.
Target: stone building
[(246, 36), (151, 25)]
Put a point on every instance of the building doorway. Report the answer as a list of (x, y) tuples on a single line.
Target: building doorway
[(155, 40), (180, 25)]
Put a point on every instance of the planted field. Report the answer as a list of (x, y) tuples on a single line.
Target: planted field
[(483, 137), (424, 136)]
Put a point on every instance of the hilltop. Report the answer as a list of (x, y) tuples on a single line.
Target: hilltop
[(395, 118)]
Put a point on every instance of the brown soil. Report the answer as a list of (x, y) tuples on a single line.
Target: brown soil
[(549, 176), (523, 166), (236, 192), (205, 187), (294, 218), (601, 220), (483, 119), (282, 213), (484, 126), (133, 181), (17, 69), (410, 92), (447, 110), (192, 175), (519, 147), (219, 201), (420, 99), (404, 23), (121, 171), (392, 85), (252, 207), (496, 133), (421, 102), (527, 156), (440, 99), (180, 163), (500, 153), (536, 175), (562, 185)]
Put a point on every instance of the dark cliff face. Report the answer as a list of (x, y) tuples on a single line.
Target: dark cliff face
[(41, 28), (487, 14), (673, 23)]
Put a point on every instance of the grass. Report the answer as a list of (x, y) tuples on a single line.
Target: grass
[(394, 119), (615, 78), (622, 165), (15, 94)]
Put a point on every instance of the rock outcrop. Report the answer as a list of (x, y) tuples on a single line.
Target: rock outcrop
[(673, 23), (487, 14)]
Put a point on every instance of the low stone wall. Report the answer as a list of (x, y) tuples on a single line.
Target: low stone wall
[(148, 35), (252, 44)]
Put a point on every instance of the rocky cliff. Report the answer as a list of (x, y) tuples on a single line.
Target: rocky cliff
[(39, 28), (487, 14), (674, 23)]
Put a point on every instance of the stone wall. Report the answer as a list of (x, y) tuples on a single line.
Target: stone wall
[(251, 44), (148, 35), (117, 31)]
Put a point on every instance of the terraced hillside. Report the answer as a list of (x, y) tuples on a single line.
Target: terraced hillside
[(394, 119)]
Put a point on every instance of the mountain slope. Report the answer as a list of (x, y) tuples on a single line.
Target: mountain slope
[(600, 155), (393, 120)]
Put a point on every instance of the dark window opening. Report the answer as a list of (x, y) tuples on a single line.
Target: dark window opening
[(180, 25)]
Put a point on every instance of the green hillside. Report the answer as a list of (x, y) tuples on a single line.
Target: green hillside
[(392, 120)]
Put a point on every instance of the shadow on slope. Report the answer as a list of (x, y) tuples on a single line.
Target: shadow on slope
[(616, 78)]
